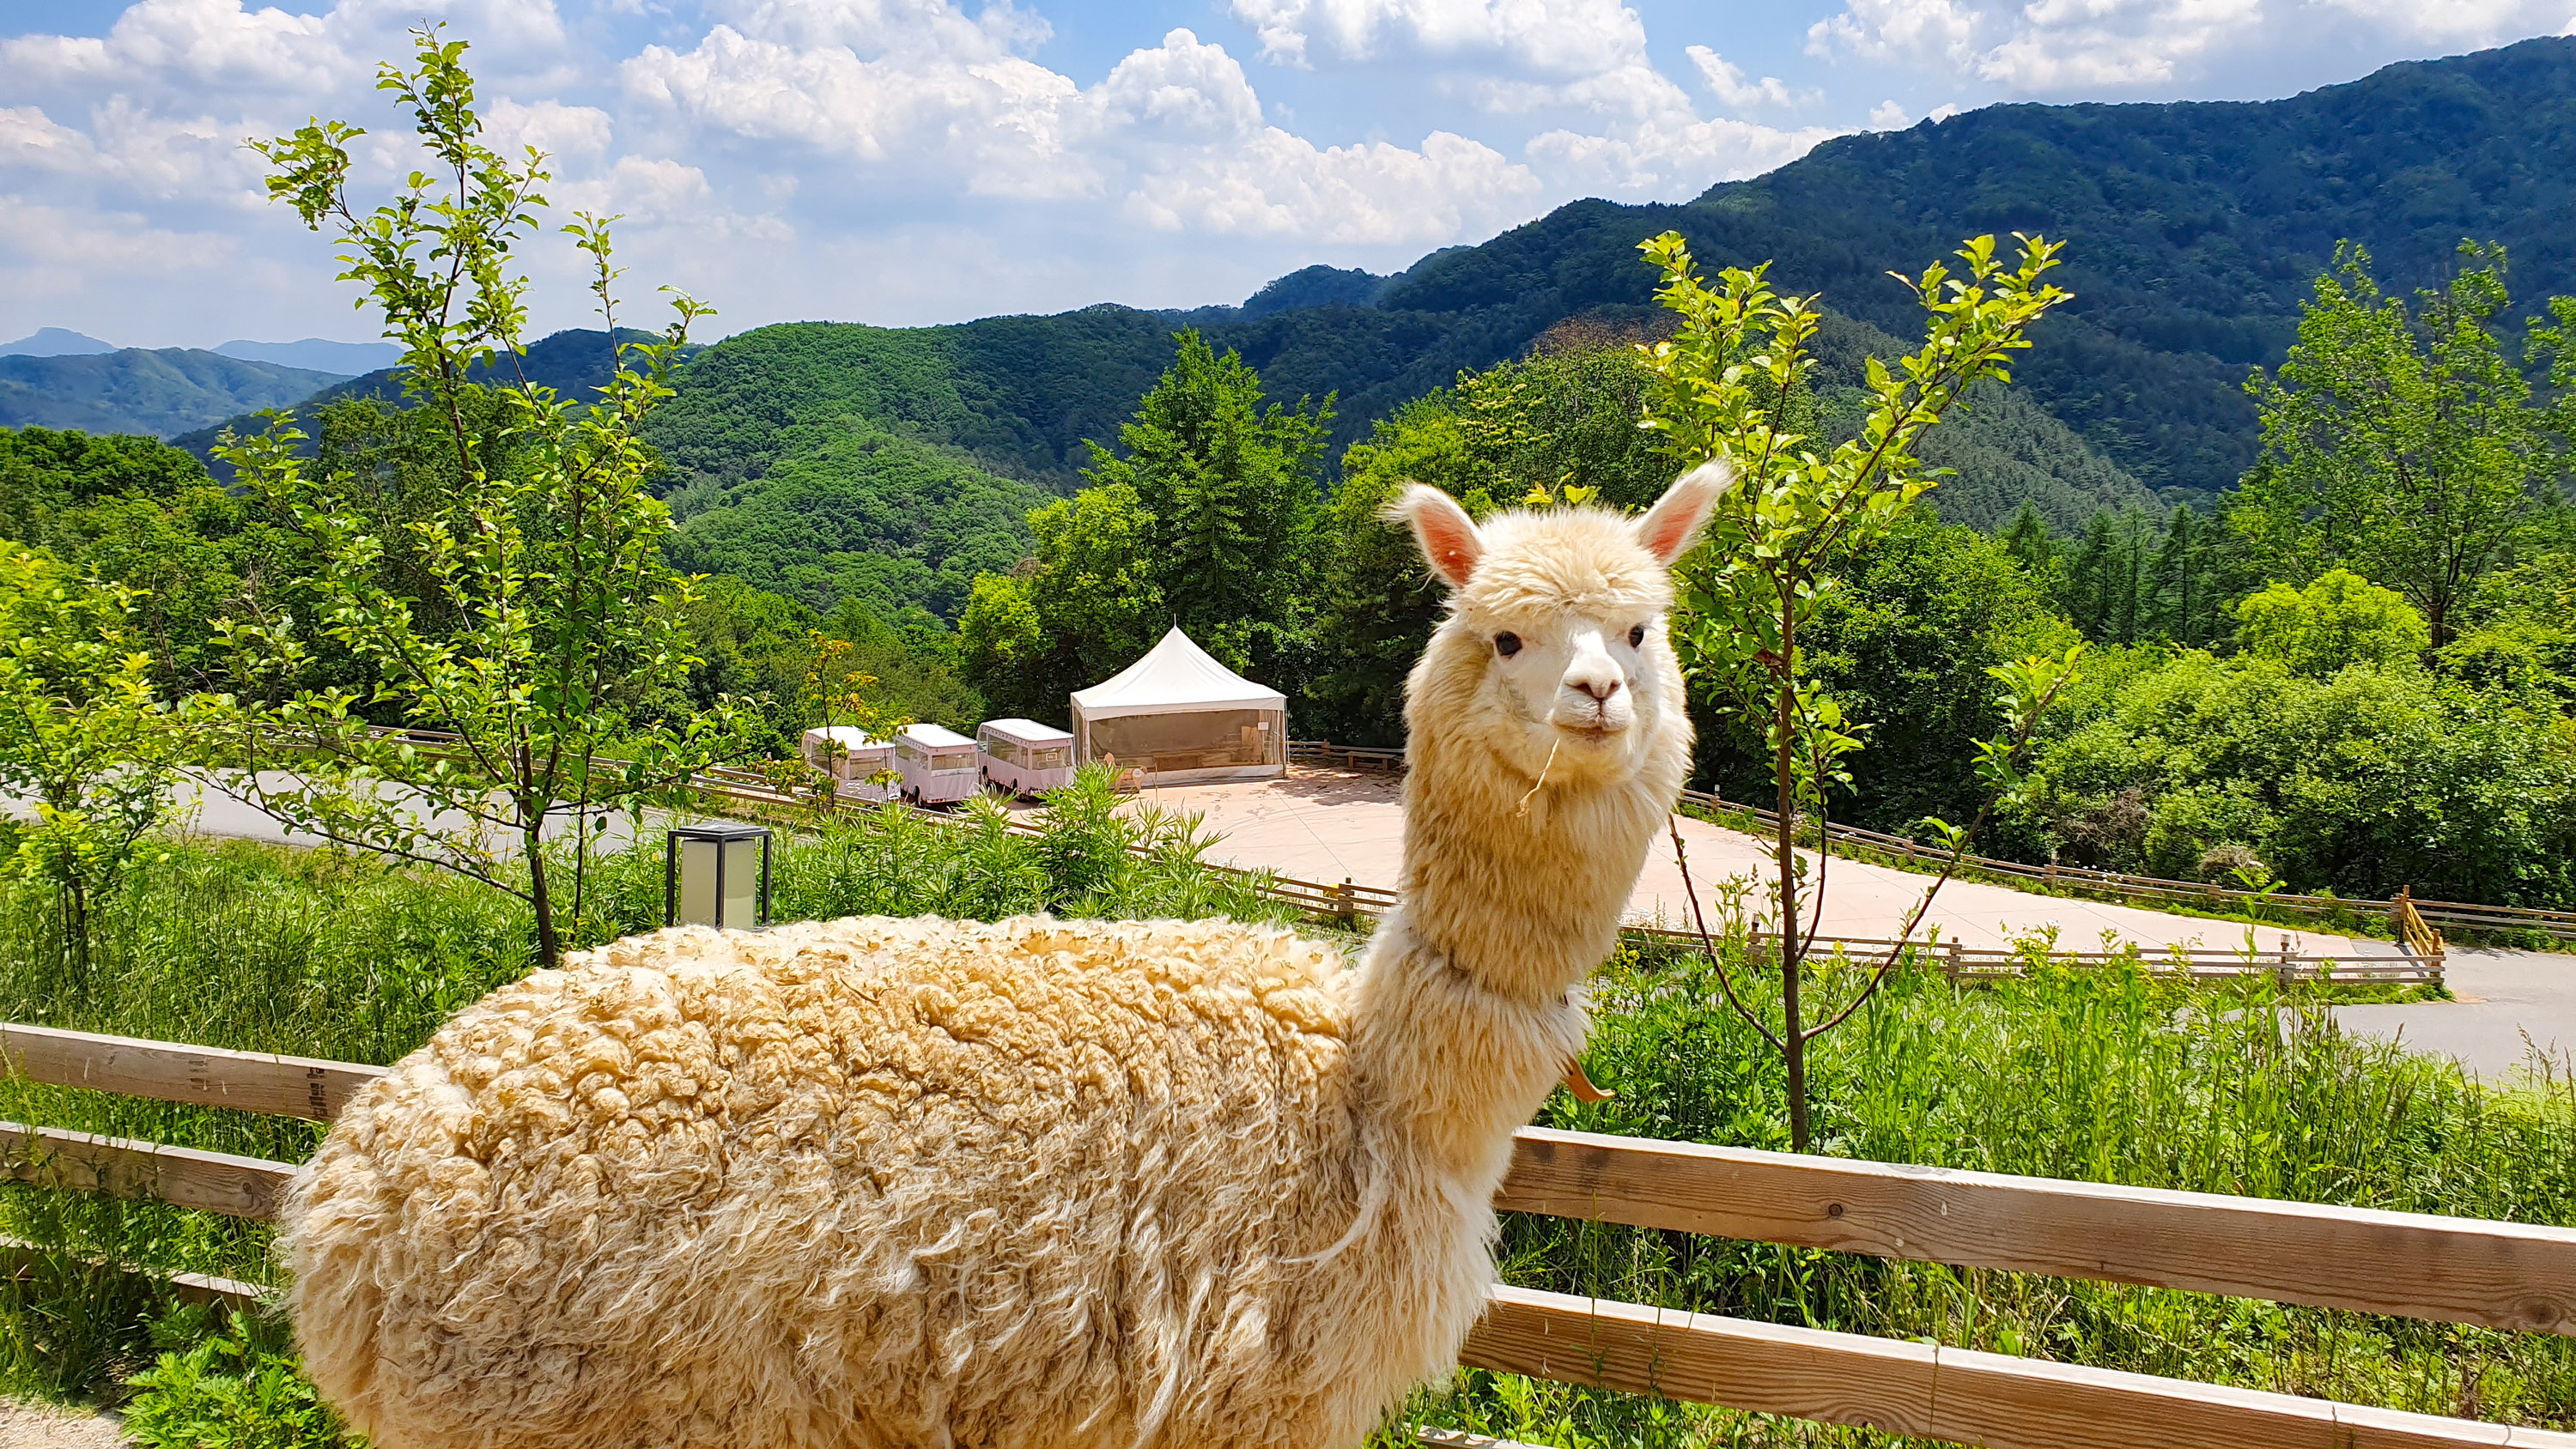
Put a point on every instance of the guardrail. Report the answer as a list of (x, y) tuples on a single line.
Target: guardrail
[(2559, 924), (2507, 1276)]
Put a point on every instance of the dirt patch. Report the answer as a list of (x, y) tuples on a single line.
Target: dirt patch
[(46, 1426)]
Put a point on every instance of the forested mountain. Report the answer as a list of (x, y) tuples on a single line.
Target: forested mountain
[(831, 460), (2193, 230), (54, 342), (573, 362), (2193, 233), (156, 392)]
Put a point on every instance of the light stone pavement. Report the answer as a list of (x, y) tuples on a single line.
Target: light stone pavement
[(1331, 825), (26, 1425)]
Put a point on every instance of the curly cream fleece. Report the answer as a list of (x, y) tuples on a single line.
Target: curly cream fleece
[(1135, 1185)]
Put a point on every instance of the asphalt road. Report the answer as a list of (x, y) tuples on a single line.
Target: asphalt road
[(2511, 1004)]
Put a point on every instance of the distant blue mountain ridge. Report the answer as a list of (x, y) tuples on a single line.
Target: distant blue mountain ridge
[(311, 354), (316, 354), (55, 342), (155, 392)]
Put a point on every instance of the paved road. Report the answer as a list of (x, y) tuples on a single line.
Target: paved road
[(2504, 998), (212, 812), (1330, 825)]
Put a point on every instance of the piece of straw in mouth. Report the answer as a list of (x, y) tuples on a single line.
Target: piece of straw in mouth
[(1541, 782)]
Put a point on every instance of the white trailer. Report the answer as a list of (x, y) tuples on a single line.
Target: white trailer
[(939, 765), (1023, 757), (851, 757)]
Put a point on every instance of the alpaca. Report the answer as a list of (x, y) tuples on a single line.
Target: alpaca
[(1034, 1184)]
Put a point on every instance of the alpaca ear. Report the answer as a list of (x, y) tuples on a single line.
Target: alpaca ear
[(1447, 536), (1672, 525)]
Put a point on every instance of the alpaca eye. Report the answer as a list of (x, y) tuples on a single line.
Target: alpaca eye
[(1507, 644), (1636, 636)]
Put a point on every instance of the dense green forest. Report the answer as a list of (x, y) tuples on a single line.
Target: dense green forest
[(837, 463), (2258, 701), (2193, 231)]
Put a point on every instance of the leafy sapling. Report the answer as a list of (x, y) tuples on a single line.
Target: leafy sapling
[(561, 615), (1733, 382)]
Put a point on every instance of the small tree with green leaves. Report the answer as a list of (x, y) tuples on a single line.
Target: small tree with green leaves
[(549, 613), (2400, 441), (1732, 383), (83, 741), (834, 695), (2339, 619)]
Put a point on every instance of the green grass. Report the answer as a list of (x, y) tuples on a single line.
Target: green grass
[(2106, 1075)]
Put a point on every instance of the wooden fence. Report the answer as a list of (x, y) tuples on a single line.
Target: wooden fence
[(2507, 1276), (1350, 900), (2076, 878), (750, 787)]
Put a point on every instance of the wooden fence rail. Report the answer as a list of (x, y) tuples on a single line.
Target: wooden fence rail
[(1930, 1391), (1350, 900), (2499, 1275), (752, 788)]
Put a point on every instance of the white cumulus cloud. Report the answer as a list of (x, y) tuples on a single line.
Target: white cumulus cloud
[(1727, 82), (1279, 184), (2057, 47), (1560, 37), (549, 125)]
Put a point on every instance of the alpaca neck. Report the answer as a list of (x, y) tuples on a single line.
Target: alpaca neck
[(1466, 1013), (1518, 883)]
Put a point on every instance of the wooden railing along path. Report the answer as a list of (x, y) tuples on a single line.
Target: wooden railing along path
[(2507, 1276), (2424, 914)]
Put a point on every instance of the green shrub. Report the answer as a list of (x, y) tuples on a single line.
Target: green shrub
[(2340, 619), (239, 1388)]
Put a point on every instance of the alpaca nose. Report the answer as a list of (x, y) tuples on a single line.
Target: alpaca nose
[(1599, 689)]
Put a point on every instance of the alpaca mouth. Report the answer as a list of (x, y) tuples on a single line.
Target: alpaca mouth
[(1589, 732)]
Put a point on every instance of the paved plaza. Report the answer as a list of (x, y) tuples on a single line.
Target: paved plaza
[(1333, 825)]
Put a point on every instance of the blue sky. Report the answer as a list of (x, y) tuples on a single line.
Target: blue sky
[(912, 161)]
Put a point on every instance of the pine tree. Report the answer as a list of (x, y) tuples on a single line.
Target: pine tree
[(2028, 539), (2176, 592), (1231, 495)]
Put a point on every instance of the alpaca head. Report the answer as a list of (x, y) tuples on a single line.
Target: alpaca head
[(1554, 646)]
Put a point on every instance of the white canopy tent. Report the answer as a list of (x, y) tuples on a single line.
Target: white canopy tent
[(1178, 715)]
